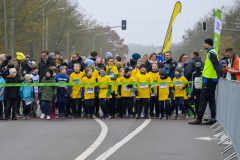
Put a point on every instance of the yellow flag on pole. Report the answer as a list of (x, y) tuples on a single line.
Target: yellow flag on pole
[(168, 38)]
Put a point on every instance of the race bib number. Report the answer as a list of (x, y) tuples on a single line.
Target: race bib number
[(35, 81), (163, 85), (111, 74), (198, 85), (76, 80), (126, 88), (90, 90), (143, 85), (28, 100), (178, 84)]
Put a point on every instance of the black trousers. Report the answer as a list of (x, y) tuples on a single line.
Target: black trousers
[(49, 103), (187, 105), (11, 103), (26, 108), (126, 104), (207, 95), (140, 103), (103, 105), (18, 107), (154, 102), (111, 105), (196, 97), (89, 106), (96, 105), (1, 109), (76, 111), (119, 104)]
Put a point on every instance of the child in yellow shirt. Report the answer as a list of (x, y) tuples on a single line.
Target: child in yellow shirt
[(118, 94)]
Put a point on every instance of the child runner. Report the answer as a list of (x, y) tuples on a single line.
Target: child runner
[(35, 79), (76, 77), (117, 93), (112, 72), (143, 91), (88, 93), (154, 101), (54, 103), (137, 69), (179, 92), (26, 95), (47, 94), (62, 91), (69, 98), (164, 93), (104, 92), (125, 92)]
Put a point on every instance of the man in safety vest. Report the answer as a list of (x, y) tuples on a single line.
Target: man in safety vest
[(210, 75)]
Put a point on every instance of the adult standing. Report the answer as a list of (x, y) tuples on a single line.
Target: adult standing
[(152, 60), (222, 62), (53, 56), (191, 65), (183, 63), (145, 58), (210, 75), (231, 66), (18, 64), (76, 59), (44, 64), (170, 63), (93, 55)]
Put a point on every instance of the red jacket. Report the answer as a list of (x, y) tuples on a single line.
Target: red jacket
[(234, 69)]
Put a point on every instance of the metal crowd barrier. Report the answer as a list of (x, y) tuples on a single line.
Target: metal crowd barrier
[(228, 115)]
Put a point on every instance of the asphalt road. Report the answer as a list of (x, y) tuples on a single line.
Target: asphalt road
[(65, 139)]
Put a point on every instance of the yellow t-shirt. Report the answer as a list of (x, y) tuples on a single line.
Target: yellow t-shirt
[(76, 78), (144, 90), (125, 91), (112, 72), (116, 87), (94, 73), (104, 88), (177, 92), (164, 89), (155, 78), (135, 72), (89, 89)]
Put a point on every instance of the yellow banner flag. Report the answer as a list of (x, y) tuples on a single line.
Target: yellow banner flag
[(168, 38)]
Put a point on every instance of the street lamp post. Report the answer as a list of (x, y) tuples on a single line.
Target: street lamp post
[(98, 35)]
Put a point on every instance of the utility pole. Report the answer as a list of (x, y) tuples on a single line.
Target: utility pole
[(46, 33), (11, 43), (43, 28), (5, 28), (67, 45)]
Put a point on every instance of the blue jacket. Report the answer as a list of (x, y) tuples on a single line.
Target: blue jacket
[(62, 79), (2, 89), (26, 91)]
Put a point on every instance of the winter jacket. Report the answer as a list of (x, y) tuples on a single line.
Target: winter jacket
[(47, 92), (149, 65), (5, 74), (235, 69), (26, 66), (18, 67), (43, 67), (171, 67), (71, 64), (2, 89), (133, 63), (184, 67), (12, 92), (222, 62), (26, 91), (191, 67)]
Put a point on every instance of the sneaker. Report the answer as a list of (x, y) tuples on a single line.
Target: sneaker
[(124, 116), (185, 117), (48, 117), (98, 115), (138, 117), (24, 118), (60, 115), (210, 122), (161, 118), (129, 116), (18, 115), (56, 111), (34, 115), (176, 117), (5, 119), (14, 118), (146, 117), (108, 116), (28, 117), (195, 122), (195, 117), (1, 118), (42, 116), (166, 117)]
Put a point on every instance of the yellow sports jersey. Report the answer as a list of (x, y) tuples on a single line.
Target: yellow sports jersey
[(112, 72), (94, 73), (76, 78), (116, 87), (144, 90), (164, 89), (104, 88), (125, 91), (89, 89), (155, 78), (177, 92), (135, 72)]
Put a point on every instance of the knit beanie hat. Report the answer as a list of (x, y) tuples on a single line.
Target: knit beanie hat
[(87, 70), (89, 62), (119, 65), (27, 77), (136, 56), (50, 71), (2, 57), (20, 56), (178, 70), (108, 54), (162, 72), (143, 65), (198, 63), (127, 69), (93, 53), (209, 41), (12, 70), (69, 72), (9, 58), (61, 68)]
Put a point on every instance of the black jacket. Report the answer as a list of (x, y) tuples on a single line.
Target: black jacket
[(133, 63), (43, 67), (191, 67), (149, 66), (71, 64), (11, 92)]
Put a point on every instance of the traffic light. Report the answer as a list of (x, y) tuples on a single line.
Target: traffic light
[(124, 24), (204, 26)]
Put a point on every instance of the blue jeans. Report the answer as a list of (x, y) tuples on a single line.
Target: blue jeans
[(161, 106), (179, 102)]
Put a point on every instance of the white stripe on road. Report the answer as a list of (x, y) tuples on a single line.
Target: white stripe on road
[(111, 150), (97, 142)]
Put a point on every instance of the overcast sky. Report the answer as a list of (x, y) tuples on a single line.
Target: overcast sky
[(148, 20)]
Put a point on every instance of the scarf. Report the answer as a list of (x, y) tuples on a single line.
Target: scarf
[(143, 73), (102, 75), (152, 62), (63, 75), (178, 76)]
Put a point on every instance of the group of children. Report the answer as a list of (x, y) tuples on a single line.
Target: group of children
[(82, 101)]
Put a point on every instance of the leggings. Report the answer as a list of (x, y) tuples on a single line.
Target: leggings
[(154, 101), (74, 106), (11, 103), (49, 103), (126, 103), (140, 103), (120, 108), (103, 105), (89, 106)]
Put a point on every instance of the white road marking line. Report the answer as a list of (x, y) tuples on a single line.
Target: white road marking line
[(111, 150), (97, 142)]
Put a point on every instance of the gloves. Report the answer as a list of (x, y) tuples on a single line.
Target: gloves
[(129, 86), (54, 96), (152, 90), (136, 93)]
